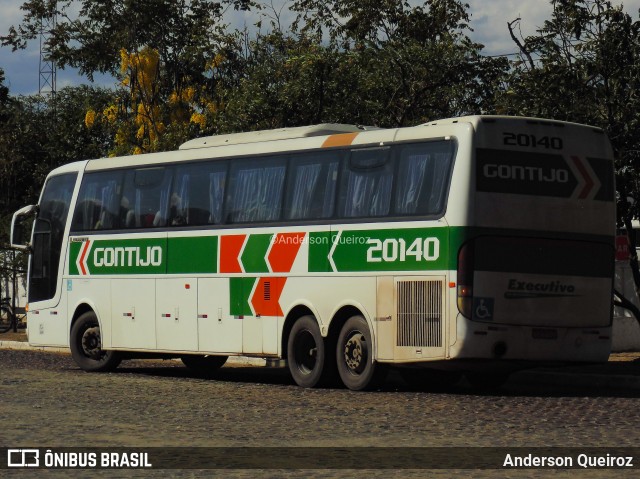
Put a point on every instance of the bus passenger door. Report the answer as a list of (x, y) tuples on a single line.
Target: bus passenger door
[(176, 314)]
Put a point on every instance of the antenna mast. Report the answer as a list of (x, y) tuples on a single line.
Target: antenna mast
[(47, 76)]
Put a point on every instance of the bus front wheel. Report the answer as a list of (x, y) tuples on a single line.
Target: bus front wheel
[(86, 345), (354, 354)]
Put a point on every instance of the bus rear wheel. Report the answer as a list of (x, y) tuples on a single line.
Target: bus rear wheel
[(86, 345), (354, 355), (306, 354)]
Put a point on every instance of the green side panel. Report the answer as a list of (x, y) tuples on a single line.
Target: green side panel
[(193, 255), (131, 256), (239, 291), (411, 249), (253, 256), (74, 251), (319, 248)]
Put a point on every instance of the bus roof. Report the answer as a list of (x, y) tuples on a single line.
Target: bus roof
[(322, 129)]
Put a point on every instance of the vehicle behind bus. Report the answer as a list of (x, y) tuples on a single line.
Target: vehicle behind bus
[(475, 245)]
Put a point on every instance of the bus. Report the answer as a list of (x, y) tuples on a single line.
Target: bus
[(475, 245)]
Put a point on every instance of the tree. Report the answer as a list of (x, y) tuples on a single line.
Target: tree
[(38, 134), (584, 65), (386, 63), (159, 49)]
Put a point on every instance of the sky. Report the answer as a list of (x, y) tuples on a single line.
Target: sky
[(488, 19)]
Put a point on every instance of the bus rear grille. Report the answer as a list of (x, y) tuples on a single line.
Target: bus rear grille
[(419, 313)]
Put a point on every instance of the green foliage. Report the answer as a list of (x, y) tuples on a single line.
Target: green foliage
[(583, 65), (38, 134)]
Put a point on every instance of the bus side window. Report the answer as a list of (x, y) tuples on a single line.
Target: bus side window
[(255, 190), (198, 194), (145, 198), (311, 187), (98, 202), (365, 189), (423, 175)]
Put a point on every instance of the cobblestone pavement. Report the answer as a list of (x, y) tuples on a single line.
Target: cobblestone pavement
[(46, 401)]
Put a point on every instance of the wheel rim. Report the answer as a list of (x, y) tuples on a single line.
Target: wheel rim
[(91, 345), (305, 351), (356, 353)]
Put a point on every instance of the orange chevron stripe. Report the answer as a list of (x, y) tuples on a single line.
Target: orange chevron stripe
[(266, 297), (230, 247), (284, 251), (342, 139)]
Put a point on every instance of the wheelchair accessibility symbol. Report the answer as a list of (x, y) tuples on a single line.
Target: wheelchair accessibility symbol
[(483, 308)]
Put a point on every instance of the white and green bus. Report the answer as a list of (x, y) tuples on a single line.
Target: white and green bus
[(473, 245)]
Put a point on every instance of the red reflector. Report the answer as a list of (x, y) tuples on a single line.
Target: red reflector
[(452, 285), (187, 286)]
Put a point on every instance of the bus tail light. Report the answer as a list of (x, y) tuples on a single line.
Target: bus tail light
[(465, 278)]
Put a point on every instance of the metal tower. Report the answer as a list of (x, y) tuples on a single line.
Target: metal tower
[(47, 77)]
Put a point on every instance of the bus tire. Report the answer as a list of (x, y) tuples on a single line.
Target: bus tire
[(354, 355), (204, 364), (86, 345), (306, 353)]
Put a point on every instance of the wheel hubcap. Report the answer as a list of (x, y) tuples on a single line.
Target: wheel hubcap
[(91, 344), (306, 352), (355, 353)]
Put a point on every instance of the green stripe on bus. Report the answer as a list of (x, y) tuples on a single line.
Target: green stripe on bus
[(319, 247), (253, 256), (193, 254), (132, 256), (410, 249), (239, 295)]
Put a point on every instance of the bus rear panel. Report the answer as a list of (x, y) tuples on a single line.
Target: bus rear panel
[(535, 261)]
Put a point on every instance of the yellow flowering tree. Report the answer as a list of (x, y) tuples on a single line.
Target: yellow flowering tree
[(143, 117)]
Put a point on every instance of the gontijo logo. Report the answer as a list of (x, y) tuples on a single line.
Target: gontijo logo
[(118, 257), (544, 174)]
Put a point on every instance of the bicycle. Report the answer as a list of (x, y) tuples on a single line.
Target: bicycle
[(10, 318)]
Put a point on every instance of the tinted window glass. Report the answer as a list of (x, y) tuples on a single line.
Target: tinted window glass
[(255, 192), (365, 189), (198, 194), (48, 235), (311, 187), (98, 206), (145, 198), (422, 179)]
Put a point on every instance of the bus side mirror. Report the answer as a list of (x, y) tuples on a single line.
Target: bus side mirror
[(19, 238)]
